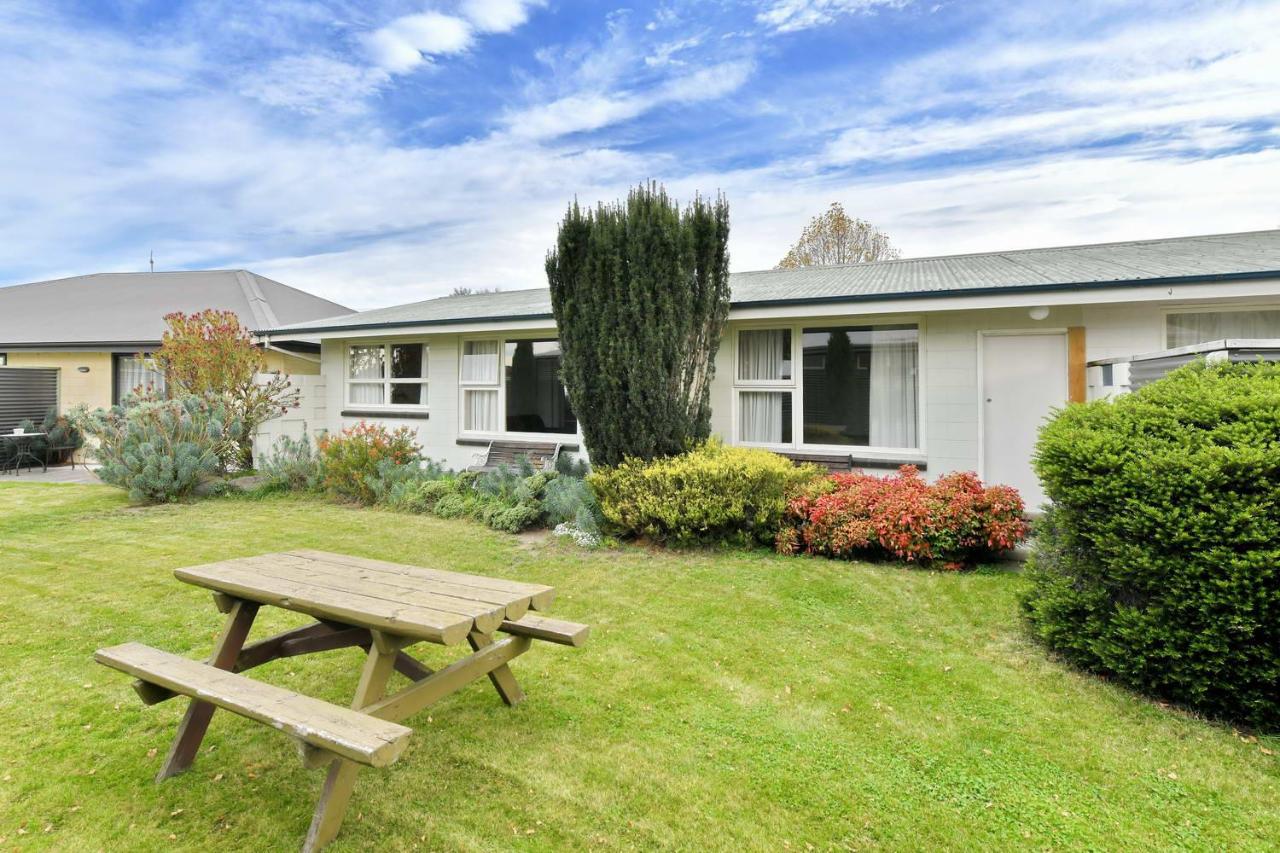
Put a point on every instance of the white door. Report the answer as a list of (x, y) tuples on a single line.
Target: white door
[(1023, 377)]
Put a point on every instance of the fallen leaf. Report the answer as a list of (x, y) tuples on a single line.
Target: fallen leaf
[(217, 778), (151, 753)]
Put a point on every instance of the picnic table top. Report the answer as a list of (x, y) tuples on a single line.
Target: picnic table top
[(409, 601)]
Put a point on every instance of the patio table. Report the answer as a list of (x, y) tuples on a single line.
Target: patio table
[(22, 447), (380, 607)]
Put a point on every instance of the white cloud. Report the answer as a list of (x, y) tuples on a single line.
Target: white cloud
[(497, 16), (315, 83), (409, 41), (791, 15), (594, 110)]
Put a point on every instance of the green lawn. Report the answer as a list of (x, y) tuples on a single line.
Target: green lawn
[(725, 701)]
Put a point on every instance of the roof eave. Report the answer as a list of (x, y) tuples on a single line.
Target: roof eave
[(815, 300)]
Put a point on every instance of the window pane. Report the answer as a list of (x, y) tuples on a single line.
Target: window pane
[(764, 354), (408, 394), (480, 411), (134, 374), (366, 393), (406, 361), (860, 386), (366, 363), (536, 400), (480, 362), (764, 416), (1203, 326)]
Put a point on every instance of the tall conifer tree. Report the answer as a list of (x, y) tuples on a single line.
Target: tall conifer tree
[(640, 291)]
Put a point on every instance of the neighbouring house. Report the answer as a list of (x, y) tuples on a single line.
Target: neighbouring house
[(87, 339), (947, 363)]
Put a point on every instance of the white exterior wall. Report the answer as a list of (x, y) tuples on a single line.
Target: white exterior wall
[(311, 415), (950, 433), (440, 431)]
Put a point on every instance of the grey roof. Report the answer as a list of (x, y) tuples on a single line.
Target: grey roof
[(129, 308), (1215, 257)]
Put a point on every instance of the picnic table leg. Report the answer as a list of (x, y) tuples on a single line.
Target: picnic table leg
[(195, 723), (503, 680), (338, 784)]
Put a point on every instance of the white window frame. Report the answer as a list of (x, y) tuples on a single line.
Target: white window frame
[(501, 387), (387, 382), (796, 386)]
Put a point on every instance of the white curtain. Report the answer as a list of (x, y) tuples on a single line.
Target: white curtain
[(764, 354), (894, 357), (760, 415), (133, 372), (367, 393), (1203, 326), (480, 362), (480, 412)]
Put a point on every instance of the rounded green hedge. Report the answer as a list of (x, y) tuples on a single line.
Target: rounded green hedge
[(1159, 561)]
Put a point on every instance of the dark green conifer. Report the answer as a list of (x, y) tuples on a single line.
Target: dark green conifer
[(640, 291)]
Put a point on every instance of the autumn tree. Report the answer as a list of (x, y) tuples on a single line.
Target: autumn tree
[(835, 238), (640, 292), (209, 353)]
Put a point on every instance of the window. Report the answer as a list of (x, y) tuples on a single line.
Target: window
[(1198, 327), (479, 379), (132, 373), (764, 362), (514, 386), (382, 374), (4, 358), (859, 386), (535, 397)]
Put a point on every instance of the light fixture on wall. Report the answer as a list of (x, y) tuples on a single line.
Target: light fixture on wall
[(82, 369), (1039, 312)]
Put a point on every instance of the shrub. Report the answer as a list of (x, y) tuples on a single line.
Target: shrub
[(1159, 562), (953, 521), (160, 450), (349, 460), (209, 352), (392, 481), (423, 496), (640, 292), (713, 493), (291, 465)]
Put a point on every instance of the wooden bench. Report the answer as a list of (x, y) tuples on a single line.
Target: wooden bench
[(542, 455), (335, 731)]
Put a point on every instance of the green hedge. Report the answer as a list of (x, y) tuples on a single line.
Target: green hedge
[(711, 494), (1159, 563)]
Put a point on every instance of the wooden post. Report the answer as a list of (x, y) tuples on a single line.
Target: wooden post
[(1076, 367), (195, 723), (341, 779), (501, 678)]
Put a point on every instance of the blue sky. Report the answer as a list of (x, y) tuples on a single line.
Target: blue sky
[(385, 151)]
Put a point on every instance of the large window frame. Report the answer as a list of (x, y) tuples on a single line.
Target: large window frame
[(499, 387), (386, 381), (795, 385)]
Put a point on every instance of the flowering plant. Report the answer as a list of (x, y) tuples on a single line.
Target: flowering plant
[(950, 522)]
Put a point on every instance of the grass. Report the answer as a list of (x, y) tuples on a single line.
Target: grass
[(725, 701)]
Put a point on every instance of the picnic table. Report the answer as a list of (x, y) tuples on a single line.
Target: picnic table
[(377, 606)]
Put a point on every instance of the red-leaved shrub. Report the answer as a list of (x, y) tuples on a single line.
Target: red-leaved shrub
[(349, 460), (951, 522)]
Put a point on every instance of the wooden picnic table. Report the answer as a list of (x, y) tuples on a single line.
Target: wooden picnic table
[(378, 606)]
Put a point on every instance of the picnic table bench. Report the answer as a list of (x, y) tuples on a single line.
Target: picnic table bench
[(380, 607)]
